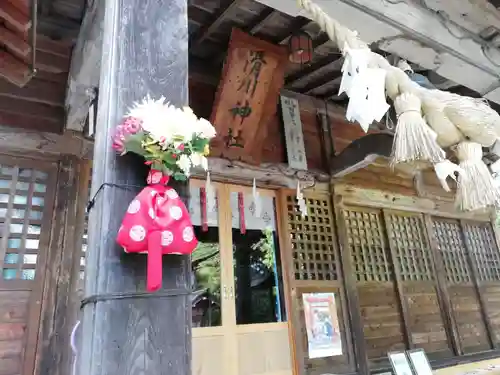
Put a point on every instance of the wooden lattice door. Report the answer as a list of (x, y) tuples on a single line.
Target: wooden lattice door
[(26, 203), (485, 260), (459, 278), (314, 267)]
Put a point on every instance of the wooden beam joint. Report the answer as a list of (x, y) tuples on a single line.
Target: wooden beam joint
[(361, 153)]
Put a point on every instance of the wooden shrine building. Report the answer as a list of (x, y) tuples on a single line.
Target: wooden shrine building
[(406, 269)]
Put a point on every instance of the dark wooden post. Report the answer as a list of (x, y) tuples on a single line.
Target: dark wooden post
[(145, 51)]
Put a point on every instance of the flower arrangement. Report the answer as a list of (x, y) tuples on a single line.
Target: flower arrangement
[(172, 140)]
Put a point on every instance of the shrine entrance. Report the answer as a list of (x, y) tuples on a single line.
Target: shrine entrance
[(239, 317)]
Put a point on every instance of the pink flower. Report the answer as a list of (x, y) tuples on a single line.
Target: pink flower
[(128, 127), (181, 147), (132, 125)]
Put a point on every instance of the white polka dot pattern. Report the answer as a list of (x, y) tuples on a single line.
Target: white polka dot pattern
[(175, 212), (137, 233), (172, 194), (167, 238), (187, 234), (134, 207)]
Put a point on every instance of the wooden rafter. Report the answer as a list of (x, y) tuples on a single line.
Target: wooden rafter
[(14, 17), (226, 7), (13, 70), (14, 42), (310, 71), (361, 153), (297, 24), (265, 16), (322, 81)]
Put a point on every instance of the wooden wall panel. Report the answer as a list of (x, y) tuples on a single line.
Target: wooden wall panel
[(39, 105), (492, 298), (426, 319), (13, 323), (470, 324), (382, 177), (382, 321)]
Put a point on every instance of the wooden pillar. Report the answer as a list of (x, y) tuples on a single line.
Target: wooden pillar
[(145, 51)]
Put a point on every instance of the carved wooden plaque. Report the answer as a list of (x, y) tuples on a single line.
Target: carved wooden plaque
[(247, 97), (294, 137)]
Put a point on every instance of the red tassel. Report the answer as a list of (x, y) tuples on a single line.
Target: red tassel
[(154, 262), (241, 208), (203, 209)]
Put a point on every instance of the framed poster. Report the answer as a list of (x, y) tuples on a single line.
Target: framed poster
[(322, 325), (399, 363), (419, 362)]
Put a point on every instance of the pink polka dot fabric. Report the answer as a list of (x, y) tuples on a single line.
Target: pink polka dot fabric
[(157, 222)]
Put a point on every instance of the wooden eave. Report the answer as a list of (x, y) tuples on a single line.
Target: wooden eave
[(15, 26)]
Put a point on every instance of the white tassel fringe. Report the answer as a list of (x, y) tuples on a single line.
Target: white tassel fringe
[(413, 139), (476, 187)]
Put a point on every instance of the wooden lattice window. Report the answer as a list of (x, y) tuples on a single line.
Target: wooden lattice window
[(407, 234), (365, 238), (452, 250), (481, 243), (312, 239), (22, 202)]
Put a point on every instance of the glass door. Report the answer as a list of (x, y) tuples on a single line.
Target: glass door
[(260, 339), (239, 317), (209, 277)]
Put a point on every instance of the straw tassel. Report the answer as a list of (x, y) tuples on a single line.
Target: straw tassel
[(476, 187), (414, 140)]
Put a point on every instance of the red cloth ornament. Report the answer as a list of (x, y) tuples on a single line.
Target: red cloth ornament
[(157, 222)]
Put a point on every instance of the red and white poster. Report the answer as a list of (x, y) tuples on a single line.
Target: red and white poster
[(322, 324)]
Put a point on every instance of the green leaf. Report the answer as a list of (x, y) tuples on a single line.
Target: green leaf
[(179, 176), (133, 144)]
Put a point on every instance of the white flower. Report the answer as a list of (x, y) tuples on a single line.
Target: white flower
[(205, 129), (199, 160), (184, 163), (155, 116)]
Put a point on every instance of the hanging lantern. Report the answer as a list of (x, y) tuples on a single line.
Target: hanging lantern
[(300, 48)]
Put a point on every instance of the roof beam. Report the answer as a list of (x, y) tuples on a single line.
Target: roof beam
[(361, 153), (322, 81), (14, 17), (264, 17), (297, 24), (14, 42), (306, 73), (227, 6), (13, 70)]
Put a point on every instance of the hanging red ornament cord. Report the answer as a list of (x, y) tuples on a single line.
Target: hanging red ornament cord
[(157, 222), (241, 209), (203, 208)]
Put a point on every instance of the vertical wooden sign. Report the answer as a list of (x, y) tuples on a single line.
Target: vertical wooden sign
[(294, 137), (247, 97)]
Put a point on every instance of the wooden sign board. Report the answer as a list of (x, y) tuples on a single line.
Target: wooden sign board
[(247, 97), (294, 137)]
